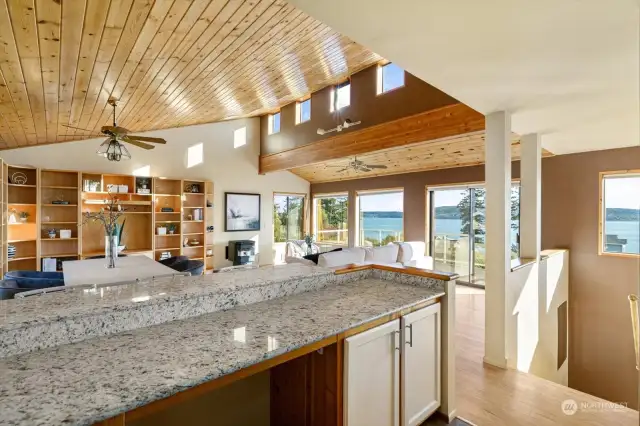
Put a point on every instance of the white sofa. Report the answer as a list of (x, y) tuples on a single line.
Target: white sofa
[(410, 253)]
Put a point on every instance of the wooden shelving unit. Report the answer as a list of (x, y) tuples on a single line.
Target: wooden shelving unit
[(22, 199), (193, 214), (167, 196), (56, 200), (209, 227), (137, 236), (4, 194), (59, 200)]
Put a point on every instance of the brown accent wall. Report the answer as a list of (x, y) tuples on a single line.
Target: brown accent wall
[(366, 105), (601, 360), (601, 357), (414, 185)]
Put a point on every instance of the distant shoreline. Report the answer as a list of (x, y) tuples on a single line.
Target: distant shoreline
[(452, 212)]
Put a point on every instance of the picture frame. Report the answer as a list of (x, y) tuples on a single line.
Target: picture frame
[(242, 212)]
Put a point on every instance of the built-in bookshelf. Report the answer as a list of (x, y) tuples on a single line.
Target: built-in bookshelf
[(137, 220), (4, 170), (59, 206), (22, 218), (193, 219), (43, 216)]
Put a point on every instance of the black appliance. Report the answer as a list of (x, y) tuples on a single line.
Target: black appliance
[(241, 252)]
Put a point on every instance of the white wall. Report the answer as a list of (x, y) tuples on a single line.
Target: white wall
[(534, 295), (230, 168)]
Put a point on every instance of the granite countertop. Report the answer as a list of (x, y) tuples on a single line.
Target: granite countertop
[(19, 312), (89, 381)]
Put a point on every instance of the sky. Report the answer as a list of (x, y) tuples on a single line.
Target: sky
[(391, 202), (622, 193)]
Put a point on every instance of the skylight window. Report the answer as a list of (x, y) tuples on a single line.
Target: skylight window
[(390, 76), (341, 96), (274, 123), (303, 111), (195, 155)]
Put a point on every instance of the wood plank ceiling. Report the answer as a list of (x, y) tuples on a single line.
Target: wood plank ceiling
[(170, 63), (458, 151)]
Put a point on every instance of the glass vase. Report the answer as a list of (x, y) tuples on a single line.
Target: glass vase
[(111, 250)]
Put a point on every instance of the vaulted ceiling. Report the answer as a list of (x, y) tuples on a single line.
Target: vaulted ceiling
[(169, 63)]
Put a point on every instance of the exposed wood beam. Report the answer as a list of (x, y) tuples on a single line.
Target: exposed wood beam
[(436, 124)]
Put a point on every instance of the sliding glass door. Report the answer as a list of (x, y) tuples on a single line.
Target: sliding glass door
[(449, 237), (458, 230)]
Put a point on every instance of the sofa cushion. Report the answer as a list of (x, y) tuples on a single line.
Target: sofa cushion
[(314, 257), (411, 251), (383, 255), (340, 258)]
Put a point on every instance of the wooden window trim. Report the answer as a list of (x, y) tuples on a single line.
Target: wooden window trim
[(373, 192), (601, 215), (305, 209), (312, 207)]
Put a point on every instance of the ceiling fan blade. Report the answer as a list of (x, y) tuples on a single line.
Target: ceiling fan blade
[(78, 128), (136, 143), (147, 139), (335, 165), (115, 130), (343, 170), (375, 166), (363, 169)]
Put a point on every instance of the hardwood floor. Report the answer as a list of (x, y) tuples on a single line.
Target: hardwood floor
[(489, 396)]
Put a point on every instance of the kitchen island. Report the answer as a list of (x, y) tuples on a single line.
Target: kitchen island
[(124, 376)]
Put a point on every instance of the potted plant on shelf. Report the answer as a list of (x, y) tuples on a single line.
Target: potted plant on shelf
[(51, 233), (24, 216), (171, 228)]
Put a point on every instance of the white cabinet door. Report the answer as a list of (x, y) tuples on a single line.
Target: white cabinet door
[(372, 377), (420, 382)]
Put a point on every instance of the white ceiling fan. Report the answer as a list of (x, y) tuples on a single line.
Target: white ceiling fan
[(340, 127), (358, 166)]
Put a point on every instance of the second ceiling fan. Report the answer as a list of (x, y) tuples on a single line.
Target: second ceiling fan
[(112, 148), (359, 166)]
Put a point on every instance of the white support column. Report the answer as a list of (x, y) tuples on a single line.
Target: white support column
[(530, 196), (498, 225)]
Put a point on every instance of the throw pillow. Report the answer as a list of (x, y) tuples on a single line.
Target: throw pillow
[(314, 257)]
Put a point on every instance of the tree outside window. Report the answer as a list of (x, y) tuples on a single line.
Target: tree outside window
[(288, 217)]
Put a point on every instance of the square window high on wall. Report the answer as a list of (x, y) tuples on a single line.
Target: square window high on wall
[(390, 77), (380, 217), (274, 123), (331, 220), (620, 213), (340, 96), (303, 111)]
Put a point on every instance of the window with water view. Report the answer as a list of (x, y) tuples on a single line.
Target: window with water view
[(458, 230), (330, 220), (380, 218), (621, 214), (288, 217)]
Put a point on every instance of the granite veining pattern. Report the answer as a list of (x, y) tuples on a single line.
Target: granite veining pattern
[(74, 315), (85, 382)]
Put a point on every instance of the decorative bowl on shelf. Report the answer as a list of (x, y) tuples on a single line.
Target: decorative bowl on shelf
[(194, 242)]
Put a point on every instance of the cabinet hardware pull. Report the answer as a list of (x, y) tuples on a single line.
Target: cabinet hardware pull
[(410, 341), (396, 339)]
